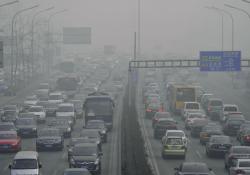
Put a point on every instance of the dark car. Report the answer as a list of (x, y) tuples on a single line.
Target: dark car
[(69, 119), (197, 125), (215, 108), (26, 127), (159, 115), (9, 116), (208, 131), (76, 171), (7, 126), (49, 139), (91, 133), (243, 126), (50, 109), (236, 152), (232, 126), (193, 168), (218, 145), (99, 125), (245, 137), (62, 125), (86, 155), (152, 108), (162, 125)]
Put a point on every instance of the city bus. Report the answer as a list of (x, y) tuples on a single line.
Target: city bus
[(177, 94)]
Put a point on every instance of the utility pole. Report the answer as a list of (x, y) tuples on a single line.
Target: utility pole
[(139, 27), (135, 48)]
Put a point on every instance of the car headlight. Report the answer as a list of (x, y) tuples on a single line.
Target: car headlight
[(68, 129), (34, 129), (97, 161), (72, 161), (103, 132)]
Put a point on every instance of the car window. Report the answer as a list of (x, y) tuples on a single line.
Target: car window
[(174, 141), (25, 164), (216, 103), (192, 106), (195, 168), (8, 136), (84, 151), (230, 108), (65, 109), (244, 164)]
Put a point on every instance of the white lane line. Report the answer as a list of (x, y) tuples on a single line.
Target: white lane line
[(64, 155), (199, 154)]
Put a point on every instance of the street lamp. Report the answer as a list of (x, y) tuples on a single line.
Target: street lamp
[(12, 41), (222, 26), (32, 36), (239, 9), (9, 3), (49, 20), (231, 16)]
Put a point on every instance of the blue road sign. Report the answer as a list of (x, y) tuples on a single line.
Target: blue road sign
[(220, 61)]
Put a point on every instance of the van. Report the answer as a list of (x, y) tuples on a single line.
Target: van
[(25, 162), (215, 108)]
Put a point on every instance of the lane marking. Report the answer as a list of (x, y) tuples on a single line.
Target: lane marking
[(199, 154)]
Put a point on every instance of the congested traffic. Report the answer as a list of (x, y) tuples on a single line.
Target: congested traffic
[(193, 130), (64, 126)]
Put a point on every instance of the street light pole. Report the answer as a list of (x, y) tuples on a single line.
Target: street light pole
[(49, 20), (139, 27), (12, 42), (9, 3), (32, 37), (222, 27)]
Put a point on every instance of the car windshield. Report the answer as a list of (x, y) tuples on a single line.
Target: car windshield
[(6, 108), (24, 115), (192, 106), (59, 122), (55, 97), (216, 103), (199, 168), (9, 113), (220, 139), (166, 122), (174, 141), (25, 122), (163, 115), (4, 127), (84, 151), (230, 108), (241, 150), (8, 136), (25, 164), (65, 109), (50, 105), (91, 134), (31, 99), (235, 122), (49, 132), (36, 109), (178, 134), (244, 164)]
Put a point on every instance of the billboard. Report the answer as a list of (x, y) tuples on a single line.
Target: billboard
[(1, 54), (77, 35), (220, 61)]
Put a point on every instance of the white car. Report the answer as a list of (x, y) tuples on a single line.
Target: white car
[(190, 107), (66, 109), (39, 112), (56, 97), (240, 166), (229, 108), (176, 133), (31, 100)]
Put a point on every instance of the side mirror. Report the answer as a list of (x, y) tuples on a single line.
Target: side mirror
[(10, 166), (176, 169), (40, 165), (100, 154)]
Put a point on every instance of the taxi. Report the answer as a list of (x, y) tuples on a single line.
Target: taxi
[(173, 146)]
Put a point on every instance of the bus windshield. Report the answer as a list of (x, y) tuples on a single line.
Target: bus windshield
[(185, 94), (99, 107)]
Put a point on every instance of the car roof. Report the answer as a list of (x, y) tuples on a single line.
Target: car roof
[(65, 104), (26, 155), (174, 137), (76, 169), (175, 130), (215, 99), (230, 105), (86, 144)]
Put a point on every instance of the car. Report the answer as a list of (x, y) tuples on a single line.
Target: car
[(177, 133), (31, 100), (7, 126), (209, 130), (193, 168), (196, 126), (25, 162), (227, 109), (39, 112), (236, 152), (10, 141), (234, 115), (9, 116), (63, 125), (218, 145), (240, 166), (245, 137), (243, 127), (50, 109), (191, 117), (49, 139), (173, 146), (232, 126), (99, 125), (11, 107), (163, 125), (86, 155), (27, 115), (76, 171), (152, 108), (78, 107), (26, 127), (56, 97), (189, 107), (159, 115), (66, 109), (204, 99), (215, 108)]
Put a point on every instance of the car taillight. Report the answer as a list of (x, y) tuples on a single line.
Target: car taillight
[(247, 137), (239, 172), (149, 110)]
